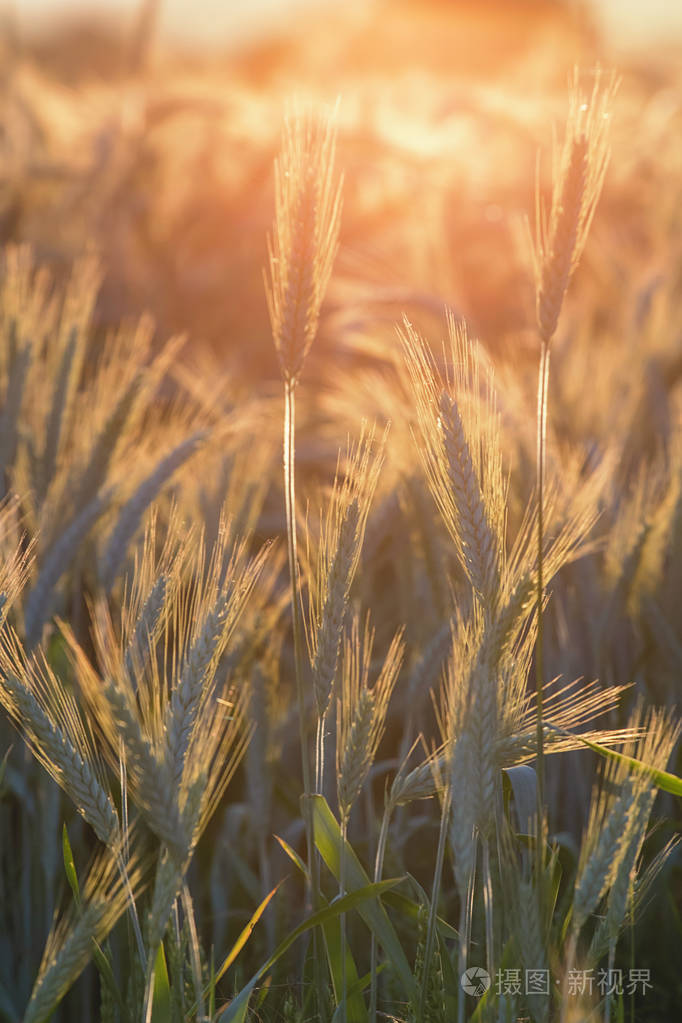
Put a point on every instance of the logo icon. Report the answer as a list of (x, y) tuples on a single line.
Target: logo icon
[(475, 981)]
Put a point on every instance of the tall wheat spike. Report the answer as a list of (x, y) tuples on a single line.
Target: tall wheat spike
[(334, 564), (560, 238), (361, 711), (459, 445), (301, 250), (47, 715), (304, 242), (579, 167)]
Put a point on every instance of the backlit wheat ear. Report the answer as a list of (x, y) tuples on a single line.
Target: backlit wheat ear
[(422, 781), (148, 773), (206, 624), (328, 638), (459, 444), (305, 237), (478, 545), (70, 945), (45, 712), (57, 559), (342, 531), (140, 645), (659, 737), (617, 823), (578, 175), (361, 712), (465, 808), (134, 508)]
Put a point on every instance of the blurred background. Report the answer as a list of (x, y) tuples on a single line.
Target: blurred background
[(146, 129), (217, 23)]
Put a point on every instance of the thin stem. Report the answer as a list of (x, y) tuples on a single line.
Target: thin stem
[(543, 379), (631, 923), (290, 500), (570, 963), (465, 917), (433, 908), (290, 505), (612, 960), (178, 942), (319, 755), (342, 892), (148, 1003), (378, 871), (194, 952), (488, 903)]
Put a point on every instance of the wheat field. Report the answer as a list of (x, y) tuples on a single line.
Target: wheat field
[(341, 521)]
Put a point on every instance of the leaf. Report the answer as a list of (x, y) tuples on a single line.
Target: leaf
[(235, 1012), (70, 866), (329, 841), (356, 1010), (237, 1009), (410, 909), (355, 989), (293, 856), (246, 934), (102, 961), (521, 782), (161, 1005), (662, 779)]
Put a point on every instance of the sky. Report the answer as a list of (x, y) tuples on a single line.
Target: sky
[(219, 21)]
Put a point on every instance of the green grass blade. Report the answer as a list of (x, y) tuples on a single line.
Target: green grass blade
[(70, 866), (329, 841), (245, 934), (235, 1012), (356, 1010), (161, 1006), (293, 856), (662, 779), (410, 909)]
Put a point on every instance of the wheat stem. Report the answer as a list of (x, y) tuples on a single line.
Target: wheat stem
[(488, 904), (435, 893), (543, 379), (290, 505), (342, 920), (195, 958), (378, 872), (465, 917)]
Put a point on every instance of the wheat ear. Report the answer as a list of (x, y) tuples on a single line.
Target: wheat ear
[(334, 610), (579, 170), (132, 511), (305, 239), (59, 411), (152, 782), (477, 542), (70, 768), (139, 646), (188, 693), (39, 600)]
